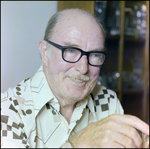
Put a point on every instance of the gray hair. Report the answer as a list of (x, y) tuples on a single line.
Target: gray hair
[(56, 17), (50, 26)]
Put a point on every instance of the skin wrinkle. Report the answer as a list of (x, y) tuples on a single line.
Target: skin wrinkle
[(57, 70), (74, 33), (84, 32), (78, 76)]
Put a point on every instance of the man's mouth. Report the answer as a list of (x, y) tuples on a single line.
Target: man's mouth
[(77, 80)]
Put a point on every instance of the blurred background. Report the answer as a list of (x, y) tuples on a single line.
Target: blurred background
[(23, 25), (126, 71), (126, 24)]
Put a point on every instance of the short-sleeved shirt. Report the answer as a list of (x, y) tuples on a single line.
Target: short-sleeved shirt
[(30, 114)]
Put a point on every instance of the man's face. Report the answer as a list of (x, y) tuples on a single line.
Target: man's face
[(66, 79)]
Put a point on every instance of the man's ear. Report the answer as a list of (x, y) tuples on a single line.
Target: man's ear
[(44, 52)]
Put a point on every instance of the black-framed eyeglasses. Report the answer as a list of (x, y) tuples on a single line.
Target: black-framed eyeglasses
[(73, 54)]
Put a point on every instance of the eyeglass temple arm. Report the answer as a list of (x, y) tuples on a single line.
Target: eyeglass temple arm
[(54, 44)]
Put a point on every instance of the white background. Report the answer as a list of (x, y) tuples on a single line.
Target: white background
[(23, 24)]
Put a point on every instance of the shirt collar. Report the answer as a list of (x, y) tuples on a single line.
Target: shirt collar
[(40, 89), (42, 94)]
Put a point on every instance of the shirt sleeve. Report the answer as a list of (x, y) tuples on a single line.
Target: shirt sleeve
[(12, 127)]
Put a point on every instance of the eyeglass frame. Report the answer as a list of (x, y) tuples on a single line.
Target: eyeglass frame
[(63, 48)]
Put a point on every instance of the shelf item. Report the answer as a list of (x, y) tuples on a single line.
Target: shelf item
[(126, 24)]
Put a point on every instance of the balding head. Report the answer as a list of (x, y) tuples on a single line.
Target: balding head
[(75, 34), (67, 15)]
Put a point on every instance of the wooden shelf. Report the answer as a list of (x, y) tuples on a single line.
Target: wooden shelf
[(130, 91), (112, 36), (132, 39), (126, 38), (118, 44)]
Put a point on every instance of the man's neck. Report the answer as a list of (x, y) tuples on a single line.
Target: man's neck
[(67, 111), (66, 107)]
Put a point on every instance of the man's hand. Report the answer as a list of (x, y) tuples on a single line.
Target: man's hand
[(118, 131)]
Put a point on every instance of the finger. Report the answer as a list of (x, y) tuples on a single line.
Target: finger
[(107, 140), (125, 130), (112, 138), (117, 145), (137, 123), (130, 120), (124, 141)]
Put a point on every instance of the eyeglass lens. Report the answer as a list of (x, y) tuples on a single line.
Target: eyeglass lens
[(73, 55)]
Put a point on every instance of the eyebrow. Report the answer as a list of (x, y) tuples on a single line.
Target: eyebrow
[(71, 44), (100, 49), (76, 45)]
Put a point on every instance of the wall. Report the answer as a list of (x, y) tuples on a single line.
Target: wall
[(23, 24)]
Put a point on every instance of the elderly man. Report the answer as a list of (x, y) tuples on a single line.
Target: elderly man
[(62, 105)]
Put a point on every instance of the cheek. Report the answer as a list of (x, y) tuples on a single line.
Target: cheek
[(58, 67), (53, 65), (94, 72), (94, 75), (54, 68)]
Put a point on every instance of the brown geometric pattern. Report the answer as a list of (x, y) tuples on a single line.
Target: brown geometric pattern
[(13, 130), (105, 94), (30, 114)]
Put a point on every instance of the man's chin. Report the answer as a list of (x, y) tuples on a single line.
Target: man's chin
[(77, 95)]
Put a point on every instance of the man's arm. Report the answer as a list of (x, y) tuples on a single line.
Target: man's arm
[(12, 127), (113, 131)]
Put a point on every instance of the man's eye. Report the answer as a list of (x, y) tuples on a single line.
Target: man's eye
[(70, 50), (96, 55)]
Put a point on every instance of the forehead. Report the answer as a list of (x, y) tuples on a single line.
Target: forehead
[(74, 25)]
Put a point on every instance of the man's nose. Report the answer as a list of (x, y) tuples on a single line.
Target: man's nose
[(82, 65)]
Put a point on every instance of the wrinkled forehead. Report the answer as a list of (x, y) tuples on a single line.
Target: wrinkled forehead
[(76, 22)]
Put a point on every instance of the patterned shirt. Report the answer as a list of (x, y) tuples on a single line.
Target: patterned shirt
[(30, 114)]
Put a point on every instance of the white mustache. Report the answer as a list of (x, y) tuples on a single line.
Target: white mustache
[(79, 77)]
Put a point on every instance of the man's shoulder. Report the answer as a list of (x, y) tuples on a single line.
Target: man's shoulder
[(105, 101), (17, 111), (22, 90), (100, 90)]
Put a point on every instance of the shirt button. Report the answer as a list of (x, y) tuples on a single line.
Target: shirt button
[(54, 113)]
